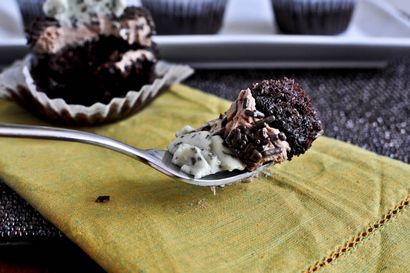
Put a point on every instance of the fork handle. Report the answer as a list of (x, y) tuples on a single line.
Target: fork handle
[(53, 133)]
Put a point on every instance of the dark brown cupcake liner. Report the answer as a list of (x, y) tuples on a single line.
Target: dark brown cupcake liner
[(30, 10), (186, 16), (316, 17), (16, 84)]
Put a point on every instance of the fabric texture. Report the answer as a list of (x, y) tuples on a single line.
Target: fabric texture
[(283, 221)]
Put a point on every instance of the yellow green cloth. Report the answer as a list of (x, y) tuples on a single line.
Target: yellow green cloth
[(284, 222)]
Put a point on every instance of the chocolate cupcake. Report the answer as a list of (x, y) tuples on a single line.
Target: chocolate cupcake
[(87, 57), (175, 17), (91, 62), (316, 17), (30, 10)]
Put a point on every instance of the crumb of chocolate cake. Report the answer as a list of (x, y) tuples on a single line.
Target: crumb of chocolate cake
[(37, 27), (131, 13), (291, 112), (102, 199)]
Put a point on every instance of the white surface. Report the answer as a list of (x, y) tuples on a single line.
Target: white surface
[(377, 33), (377, 19), (402, 5), (10, 21), (248, 17)]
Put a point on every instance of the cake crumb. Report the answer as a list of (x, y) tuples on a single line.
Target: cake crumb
[(201, 204), (102, 199), (213, 189), (267, 173)]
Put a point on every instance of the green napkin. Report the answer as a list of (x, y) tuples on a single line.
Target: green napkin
[(305, 214)]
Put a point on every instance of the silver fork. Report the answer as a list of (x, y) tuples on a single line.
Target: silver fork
[(157, 159)]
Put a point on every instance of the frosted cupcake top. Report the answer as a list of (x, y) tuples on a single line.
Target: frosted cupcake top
[(70, 13)]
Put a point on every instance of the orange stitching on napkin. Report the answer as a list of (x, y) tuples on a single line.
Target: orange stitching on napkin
[(369, 230)]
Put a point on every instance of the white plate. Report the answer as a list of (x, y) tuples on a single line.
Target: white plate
[(378, 32)]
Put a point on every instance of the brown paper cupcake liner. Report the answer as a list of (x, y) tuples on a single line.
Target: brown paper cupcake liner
[(30, 10), (174, 17), (17, 84), (312, 17)]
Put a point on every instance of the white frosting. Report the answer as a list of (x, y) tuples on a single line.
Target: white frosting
[(136, 31), (53, 8), (195, 161), (84, 11), (132, 56), (200, 154), (228, 161)]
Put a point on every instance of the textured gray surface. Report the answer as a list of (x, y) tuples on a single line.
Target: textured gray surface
[(369, 108), (19, 221)]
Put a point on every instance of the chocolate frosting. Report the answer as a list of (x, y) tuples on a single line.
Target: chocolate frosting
[(268, 122), (135, 26)]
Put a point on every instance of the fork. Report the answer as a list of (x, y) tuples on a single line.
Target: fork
[(160, 160)]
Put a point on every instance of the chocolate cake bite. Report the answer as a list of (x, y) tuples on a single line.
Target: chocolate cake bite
[(92, 51), (289, 110), (270, 122)]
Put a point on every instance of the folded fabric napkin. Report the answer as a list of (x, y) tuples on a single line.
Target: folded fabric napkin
[(330, 209)]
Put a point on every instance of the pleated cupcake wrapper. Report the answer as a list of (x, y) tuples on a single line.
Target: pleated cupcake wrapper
[(183, 7), (183, 13), (17, 84), (317, 6), (30, 10), (325, 17)]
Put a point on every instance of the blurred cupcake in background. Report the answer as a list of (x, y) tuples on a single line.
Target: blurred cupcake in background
[(317, 17), (90, 62), (175, 17), (30, 10)]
